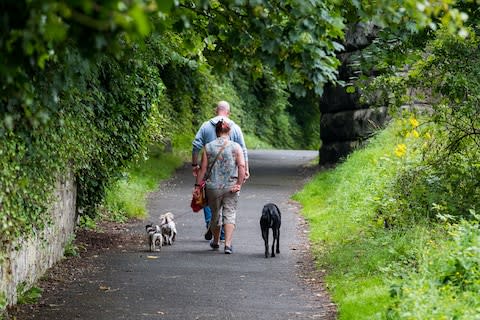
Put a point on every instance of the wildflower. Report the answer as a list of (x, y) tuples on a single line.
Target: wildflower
[(400, 150), (415, 133), (414, 122)]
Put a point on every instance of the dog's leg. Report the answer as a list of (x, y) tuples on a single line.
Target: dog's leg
[(265, 239), (150, 242), (159, 242), (276, 236), (278, 240), (274, 233)]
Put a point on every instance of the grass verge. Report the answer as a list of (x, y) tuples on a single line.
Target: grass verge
[(253, 142), (348, 235), (420, 265), (127, 198)]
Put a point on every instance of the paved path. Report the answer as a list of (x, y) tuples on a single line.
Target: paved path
[(188, 280)]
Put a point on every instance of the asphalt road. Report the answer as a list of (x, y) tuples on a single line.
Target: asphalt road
[(190, 281)]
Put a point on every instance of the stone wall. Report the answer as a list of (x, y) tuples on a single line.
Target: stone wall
[(38, 253), (345, 123)]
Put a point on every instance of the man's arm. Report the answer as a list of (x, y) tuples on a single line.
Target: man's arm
[(197, 145), (202, 169)]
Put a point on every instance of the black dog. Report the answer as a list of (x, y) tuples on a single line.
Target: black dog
[(271, 218)]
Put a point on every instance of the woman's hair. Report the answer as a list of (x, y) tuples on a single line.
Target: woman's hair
[(221, 127)]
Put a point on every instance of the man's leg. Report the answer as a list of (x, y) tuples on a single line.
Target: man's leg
[(207, 213), (215, 222)]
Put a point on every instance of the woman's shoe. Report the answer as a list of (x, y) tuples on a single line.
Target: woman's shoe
[(228, 250)]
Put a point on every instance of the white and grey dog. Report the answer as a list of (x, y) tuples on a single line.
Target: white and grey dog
[(168, 227), (155, 238)]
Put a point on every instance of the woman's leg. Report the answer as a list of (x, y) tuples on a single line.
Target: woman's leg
[(229, 227), (230, 202)]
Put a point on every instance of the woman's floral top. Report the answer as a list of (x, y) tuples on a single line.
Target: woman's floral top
[(224, 172)]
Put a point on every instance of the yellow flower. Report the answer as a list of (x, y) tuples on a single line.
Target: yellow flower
[(400, 150), (415, 133), (413, 122)]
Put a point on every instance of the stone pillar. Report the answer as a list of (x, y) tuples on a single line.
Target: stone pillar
[(345, 123)]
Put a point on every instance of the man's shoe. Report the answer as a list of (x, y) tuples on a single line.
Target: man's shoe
[(214, 246), (228, 250)]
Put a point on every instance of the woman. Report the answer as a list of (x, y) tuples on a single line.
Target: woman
[(223, 167)]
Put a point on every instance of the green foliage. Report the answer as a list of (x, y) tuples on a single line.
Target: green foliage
[(71, 249), (86, 87), (94, 116), (438, 182), (411, 268), (305, 116), (442, 169), (264, 103), (297, 40), (398, 14), (87, 222), (294, 40), (446, 283), (3, 303), (254, 143), (392, 237), (127, 198), (452, 67), (348, 237), (27, 295), (102, 125)]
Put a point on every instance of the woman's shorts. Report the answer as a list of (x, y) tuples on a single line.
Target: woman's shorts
[(224, 206)]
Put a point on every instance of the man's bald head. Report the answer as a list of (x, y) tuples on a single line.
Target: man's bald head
[(223, 108)]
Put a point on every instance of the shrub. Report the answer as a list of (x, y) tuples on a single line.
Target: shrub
[(28, 296), (447, 281)]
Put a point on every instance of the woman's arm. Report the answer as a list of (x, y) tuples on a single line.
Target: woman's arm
[(240, 160)]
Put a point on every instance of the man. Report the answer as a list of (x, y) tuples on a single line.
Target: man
[(206, 134)]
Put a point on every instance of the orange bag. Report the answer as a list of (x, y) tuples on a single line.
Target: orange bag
[(199, 198)]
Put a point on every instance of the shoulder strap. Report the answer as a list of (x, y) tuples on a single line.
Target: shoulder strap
[(209, 171)]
